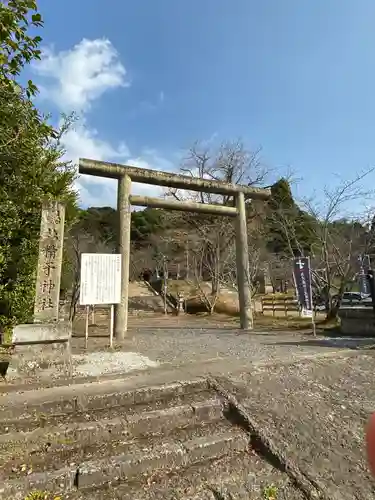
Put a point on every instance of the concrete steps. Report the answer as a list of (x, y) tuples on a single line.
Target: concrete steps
[(175, 440), (52, 446), (236, 475), (49, 411)]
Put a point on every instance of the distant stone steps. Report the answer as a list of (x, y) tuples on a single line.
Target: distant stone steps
[(143, 300)]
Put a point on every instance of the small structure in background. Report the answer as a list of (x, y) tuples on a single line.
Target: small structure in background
[(264, 282), (180, 303), (359, 319)]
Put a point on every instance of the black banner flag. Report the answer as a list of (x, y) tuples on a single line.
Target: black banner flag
[(302, 280), (364, 266)]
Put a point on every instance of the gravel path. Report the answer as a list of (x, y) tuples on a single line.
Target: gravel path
[(181, 346), (185, 341)]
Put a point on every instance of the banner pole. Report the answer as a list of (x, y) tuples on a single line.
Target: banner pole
[(313, 324)]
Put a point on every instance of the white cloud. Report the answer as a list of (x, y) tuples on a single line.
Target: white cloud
[(73, 80), (82, 142), (81, 75)]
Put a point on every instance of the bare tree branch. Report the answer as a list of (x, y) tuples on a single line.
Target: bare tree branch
[(337, 239)]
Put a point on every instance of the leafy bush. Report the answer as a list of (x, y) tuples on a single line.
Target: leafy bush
[(31, 170)]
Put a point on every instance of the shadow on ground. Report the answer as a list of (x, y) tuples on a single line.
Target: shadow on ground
[(334, 341)]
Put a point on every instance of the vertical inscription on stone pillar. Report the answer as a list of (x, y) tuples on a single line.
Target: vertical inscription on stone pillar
[(47, 294)]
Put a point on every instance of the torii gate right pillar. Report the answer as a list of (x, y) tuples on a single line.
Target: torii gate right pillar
[(243, 271), (124, 215)]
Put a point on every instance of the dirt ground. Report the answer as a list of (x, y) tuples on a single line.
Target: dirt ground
[(315, 413), (311, 397)]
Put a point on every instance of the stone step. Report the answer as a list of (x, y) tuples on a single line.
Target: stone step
[(66, 453), (137, 461), (240, 475), (122, 439), (45, 409), (75, 441)]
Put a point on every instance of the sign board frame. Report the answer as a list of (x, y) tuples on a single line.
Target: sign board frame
[(100, 282)]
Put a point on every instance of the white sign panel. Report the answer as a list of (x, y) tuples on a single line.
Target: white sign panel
[(100, 279), (307, 313)]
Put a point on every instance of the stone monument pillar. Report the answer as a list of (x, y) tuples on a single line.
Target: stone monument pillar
[(46, 308), (43, 347)]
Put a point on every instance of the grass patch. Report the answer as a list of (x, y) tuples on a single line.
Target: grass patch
[(42, 495), (270, 492)]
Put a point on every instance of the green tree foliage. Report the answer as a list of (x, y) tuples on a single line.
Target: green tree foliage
[(31, 170), (146, 222), (102, 223), (17, 47), (290, 229)]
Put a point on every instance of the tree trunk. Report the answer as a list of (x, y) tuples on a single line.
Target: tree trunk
[(332, 309), (332, 313), (215, 285)]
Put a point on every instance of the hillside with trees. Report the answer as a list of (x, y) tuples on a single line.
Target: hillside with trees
[(200, 247)]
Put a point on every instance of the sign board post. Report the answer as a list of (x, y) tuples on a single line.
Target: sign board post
[(87, 326), (302, 281), (111, 326), (100, 284)]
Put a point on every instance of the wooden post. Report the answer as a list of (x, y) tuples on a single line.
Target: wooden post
[(243, 272)]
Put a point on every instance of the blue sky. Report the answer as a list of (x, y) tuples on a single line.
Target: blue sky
[(296, 77)]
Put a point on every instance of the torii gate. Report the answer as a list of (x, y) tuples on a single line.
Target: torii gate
[(125, 175)]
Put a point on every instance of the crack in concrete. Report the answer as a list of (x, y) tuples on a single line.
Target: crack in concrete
[(265, 446)]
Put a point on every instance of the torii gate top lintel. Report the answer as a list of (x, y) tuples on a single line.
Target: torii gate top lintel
[(178, 181)]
